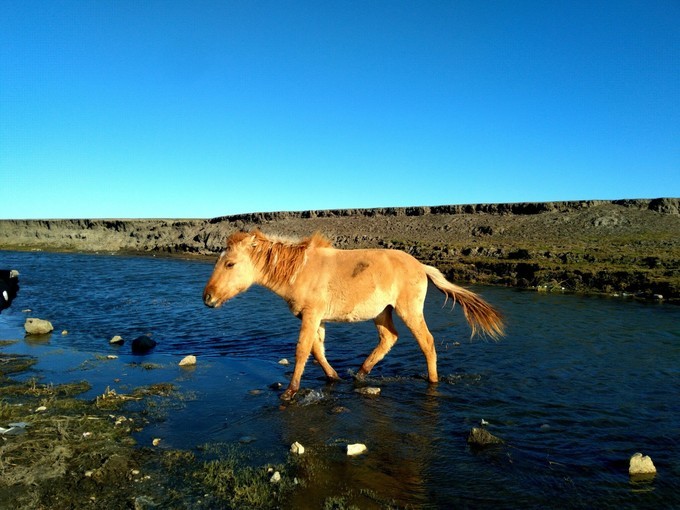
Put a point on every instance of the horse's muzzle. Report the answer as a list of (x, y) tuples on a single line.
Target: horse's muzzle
[(210, 300)]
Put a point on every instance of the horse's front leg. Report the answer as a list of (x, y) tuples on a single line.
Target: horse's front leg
[(318, 351), (308, 334)]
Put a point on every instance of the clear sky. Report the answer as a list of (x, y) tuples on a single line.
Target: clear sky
[(197, 109)]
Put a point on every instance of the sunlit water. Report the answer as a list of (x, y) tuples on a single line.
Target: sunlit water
[(576, 387)]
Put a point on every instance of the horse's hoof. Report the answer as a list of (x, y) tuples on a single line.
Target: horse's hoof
[(288, 395), (360, 376)]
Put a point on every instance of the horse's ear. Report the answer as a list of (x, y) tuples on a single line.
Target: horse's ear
[(255, 236)]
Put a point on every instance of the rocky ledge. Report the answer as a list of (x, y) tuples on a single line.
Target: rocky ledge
[(625, 247)]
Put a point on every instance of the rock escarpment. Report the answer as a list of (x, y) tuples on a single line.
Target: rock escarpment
[(620, 246)]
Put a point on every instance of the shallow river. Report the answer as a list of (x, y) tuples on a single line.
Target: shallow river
[(577, 386)]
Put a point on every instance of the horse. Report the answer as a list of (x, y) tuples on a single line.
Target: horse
[(324, 284)]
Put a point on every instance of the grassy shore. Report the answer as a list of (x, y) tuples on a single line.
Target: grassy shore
[(72, 441)]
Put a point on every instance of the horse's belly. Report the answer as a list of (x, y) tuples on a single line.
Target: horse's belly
[(362, 311)]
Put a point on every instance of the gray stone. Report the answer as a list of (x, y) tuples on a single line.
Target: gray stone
[(482, 437)]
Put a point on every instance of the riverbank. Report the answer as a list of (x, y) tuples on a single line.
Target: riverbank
[(84, 430), (625, 247)]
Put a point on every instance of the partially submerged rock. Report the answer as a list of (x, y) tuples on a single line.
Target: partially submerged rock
[(297, 448), (117, 340), (188, 361), (641, 465), (143, 344), (369, 390), (482, 437), (356, 449), (35, 326)]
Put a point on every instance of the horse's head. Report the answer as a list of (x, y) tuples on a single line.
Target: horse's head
[(234, 271)]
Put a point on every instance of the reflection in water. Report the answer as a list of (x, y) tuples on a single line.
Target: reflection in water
[(399, 448), (578, 385)]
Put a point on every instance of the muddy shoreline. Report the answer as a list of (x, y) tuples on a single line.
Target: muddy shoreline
[(69, 439), (623, 247)]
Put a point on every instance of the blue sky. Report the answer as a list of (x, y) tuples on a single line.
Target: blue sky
[(197, 109)]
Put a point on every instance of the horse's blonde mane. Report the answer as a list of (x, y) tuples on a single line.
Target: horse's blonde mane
[(279, 258)]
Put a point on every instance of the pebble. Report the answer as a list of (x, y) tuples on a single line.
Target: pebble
[(65, 332), (356, 449), (297, 448), (188, 361), (41, 409), (641, 465), (111, 356), (276, 477), (156, 441), (284, 361)]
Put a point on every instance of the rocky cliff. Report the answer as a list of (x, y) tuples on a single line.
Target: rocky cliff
[(621, 246)]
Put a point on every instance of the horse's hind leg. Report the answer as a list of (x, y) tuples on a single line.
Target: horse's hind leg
[(387, 335), (318, 351), (416, 323)]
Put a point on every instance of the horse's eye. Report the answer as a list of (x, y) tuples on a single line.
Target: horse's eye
[(229, 265)]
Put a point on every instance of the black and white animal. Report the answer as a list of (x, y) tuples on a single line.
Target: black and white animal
[(9, 286)]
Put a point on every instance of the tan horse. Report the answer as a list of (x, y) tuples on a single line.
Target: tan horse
[(321, 283)]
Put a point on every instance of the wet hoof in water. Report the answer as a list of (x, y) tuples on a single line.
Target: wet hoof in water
[(288, 395), (360, 376)]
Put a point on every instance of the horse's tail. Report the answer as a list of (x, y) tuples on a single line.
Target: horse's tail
[(479, 313)]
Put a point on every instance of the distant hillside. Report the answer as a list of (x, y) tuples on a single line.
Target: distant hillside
[(621, 246)]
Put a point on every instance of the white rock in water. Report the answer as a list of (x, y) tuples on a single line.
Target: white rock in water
[(35, 326), (276, 477), (641, 465), (356, 449), (297, 448), (188, 361), (284, 361), (373, 392), (116, 340)]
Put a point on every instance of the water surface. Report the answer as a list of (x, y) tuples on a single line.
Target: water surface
[(577, 386)]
